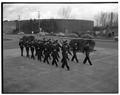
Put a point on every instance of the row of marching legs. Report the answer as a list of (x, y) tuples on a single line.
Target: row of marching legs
[(55, 57)]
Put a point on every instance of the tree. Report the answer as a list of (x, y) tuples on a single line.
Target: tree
[(65, 12), (106, 19), (97, 20), (115, 19)]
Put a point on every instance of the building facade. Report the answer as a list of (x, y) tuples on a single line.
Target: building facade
[(68, 25), (63, 25)]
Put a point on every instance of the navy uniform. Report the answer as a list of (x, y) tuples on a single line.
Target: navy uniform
[(66, 47), (86, 50), (74, 52), (39, 50), (21, 44), (27, 48), (36, 47), (32, 50), (56, 46), (65, 57), (54, 55), (64, 60), (46, 54), (57, 54), (50, 49)]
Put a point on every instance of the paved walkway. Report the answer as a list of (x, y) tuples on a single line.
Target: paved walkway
[(21, 74)]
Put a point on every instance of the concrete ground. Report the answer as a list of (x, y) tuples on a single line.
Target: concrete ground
[(23, 75)]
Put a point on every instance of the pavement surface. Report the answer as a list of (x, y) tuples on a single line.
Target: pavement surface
[(23, 75)]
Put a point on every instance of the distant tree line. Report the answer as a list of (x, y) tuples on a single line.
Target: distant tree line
[(105, 19), (27, 26)]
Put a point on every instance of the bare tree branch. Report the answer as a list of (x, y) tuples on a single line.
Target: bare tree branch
[(106, 19), (65, 12)]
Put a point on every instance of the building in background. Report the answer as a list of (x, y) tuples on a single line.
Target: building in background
[(63, 25), (68, 25)]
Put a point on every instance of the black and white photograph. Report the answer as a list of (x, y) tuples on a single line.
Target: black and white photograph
[(59, 47)]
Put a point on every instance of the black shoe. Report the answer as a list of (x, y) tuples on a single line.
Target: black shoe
[(68, 69), (62, 67)]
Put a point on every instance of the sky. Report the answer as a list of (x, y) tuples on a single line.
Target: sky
[(47, 11)]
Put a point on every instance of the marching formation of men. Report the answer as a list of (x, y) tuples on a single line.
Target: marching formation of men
[(47, 49)]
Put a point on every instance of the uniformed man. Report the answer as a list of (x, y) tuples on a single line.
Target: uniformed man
[(74, 52), (46, 53), (32, 49), (40, 49), (66, 47), (54, 55), (64, 60), (57, 47), (21, 44), (87, 52), (65, 53), (36, 47), (27, 48)]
